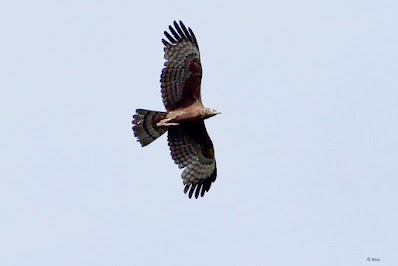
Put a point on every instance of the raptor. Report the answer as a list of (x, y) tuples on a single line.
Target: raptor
[(190, 145)]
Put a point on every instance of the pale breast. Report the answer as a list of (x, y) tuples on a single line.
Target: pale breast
[(191, 113)]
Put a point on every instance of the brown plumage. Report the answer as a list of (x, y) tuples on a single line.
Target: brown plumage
[(190, 145)]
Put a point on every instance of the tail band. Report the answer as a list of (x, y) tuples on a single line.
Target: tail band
[(145, 128)]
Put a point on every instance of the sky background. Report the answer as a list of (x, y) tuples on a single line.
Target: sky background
[(306, 145)]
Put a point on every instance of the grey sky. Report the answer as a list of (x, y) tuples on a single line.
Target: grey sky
[(306, 146)]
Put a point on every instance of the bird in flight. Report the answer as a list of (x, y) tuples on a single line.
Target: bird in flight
[(190, 145)]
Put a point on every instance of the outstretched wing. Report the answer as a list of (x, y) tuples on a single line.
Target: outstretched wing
[(191, 147), (181, 77)]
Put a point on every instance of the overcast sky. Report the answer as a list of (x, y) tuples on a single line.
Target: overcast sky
[(306, 145)]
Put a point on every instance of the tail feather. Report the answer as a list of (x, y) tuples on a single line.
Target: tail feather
[(145, 128)]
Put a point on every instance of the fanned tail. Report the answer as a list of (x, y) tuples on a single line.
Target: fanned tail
[(145, 128)]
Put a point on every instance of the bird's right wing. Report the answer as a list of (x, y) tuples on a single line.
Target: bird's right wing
[(182, 75)]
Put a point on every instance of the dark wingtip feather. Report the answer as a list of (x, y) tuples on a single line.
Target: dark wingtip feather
[(186, 189), (181, 34), (175, 24), (198, 190), (203, 191), (171, 39), (178, 34), (193, 38), (192, 190), (175, 34), (165, 42), (186, 33)]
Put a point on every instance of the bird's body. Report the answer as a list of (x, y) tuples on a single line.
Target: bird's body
[(191, 114), (190, 145)]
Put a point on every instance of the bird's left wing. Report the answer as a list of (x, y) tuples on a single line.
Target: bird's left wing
[(192, 149), (182, 75)]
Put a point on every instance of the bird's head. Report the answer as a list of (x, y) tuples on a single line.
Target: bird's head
[(211, 112)]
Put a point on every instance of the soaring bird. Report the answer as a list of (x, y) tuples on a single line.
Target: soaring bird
[(190, 145)]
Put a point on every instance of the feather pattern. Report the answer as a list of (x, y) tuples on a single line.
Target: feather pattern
[(181, 77), (145, 128), (191, 148)]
